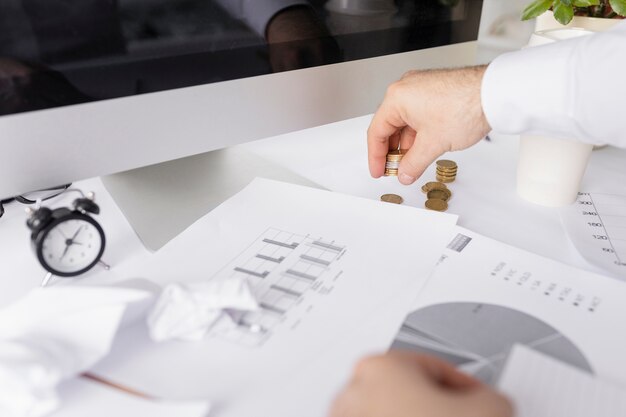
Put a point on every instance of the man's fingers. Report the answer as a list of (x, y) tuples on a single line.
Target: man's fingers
[(445, 374), (407, 137), (394, 140), (436, 370), (423, 153), (386, 122)]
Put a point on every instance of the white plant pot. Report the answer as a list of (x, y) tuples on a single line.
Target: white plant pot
[(595, 24)]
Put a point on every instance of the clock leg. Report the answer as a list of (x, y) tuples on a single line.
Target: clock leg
[(104, 265), (46, 279)]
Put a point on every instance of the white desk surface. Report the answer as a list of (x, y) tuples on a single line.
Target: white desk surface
[(334, 156)]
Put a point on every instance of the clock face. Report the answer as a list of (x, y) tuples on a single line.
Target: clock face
[(71, 245)]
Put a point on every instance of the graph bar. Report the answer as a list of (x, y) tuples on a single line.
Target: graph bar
[(327, 246), (286, 290), (269, 258), (253, 273), (299, 274), (283, 244), (314, 259), (272, 308)]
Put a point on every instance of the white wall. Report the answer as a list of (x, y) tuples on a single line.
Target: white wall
[(501, 28)]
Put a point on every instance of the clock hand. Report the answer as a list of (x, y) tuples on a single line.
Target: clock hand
[(70, 242), (76, 234), (67, 247)]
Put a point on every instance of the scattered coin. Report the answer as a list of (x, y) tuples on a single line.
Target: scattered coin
[(437, 205), (439, 194), (391, 198), (433, 186)]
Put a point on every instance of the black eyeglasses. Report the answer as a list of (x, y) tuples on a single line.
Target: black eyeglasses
[(35, 196)]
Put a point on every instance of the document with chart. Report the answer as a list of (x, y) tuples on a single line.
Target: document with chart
[(596, 225), (484, 297), (540, 385), (320, 264)]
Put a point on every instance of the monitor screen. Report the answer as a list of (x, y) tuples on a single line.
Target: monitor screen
[(63, 52)]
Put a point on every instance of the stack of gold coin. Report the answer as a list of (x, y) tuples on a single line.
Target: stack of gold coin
[(438, 195), (393, 162), (446, 170)]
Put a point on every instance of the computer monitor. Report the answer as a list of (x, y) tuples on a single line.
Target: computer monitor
[(96, 87)]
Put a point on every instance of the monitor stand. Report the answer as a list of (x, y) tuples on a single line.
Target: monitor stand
[(162, 200)]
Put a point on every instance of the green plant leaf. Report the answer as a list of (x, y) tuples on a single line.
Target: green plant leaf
[(586, 3), (567, 2), (618, 6), (536, 8), (562, 12)]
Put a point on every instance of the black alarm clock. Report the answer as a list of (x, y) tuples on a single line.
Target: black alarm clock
[(67, 241)]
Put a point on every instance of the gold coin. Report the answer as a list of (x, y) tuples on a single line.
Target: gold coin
[(396, 155), (446, 170), (391, 198), (439, 194), (397, 152), (444, 179), (391, 172), (446, 164), (435, 204), (433, 185), (442, 171), (446, 175)]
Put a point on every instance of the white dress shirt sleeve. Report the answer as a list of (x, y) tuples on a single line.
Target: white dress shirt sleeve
[(257, 13), (569, 89)]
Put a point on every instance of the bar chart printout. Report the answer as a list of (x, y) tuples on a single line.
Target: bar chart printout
[(283, 269), (596, 224)]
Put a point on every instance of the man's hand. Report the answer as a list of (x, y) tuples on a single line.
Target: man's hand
[(403, 384), (428, 113)]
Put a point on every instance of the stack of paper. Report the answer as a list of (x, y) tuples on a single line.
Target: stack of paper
[(539, 385)]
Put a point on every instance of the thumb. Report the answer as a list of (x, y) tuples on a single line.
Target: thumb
[(423, 153), (484, 402)]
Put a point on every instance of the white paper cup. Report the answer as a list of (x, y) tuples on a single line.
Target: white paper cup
[(549, 170)]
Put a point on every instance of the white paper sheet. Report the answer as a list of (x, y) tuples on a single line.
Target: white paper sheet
[(539, 385), (485, 296), (190, 311), (323, 268), (596, 225), (51, 335)]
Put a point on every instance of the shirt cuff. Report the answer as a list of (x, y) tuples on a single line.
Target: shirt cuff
[(528, 91)]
